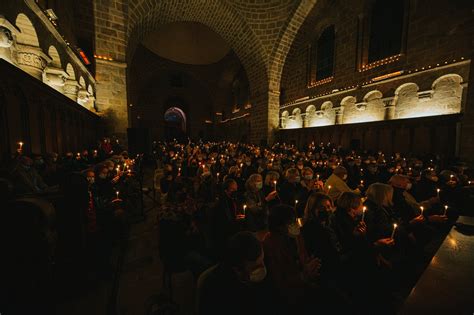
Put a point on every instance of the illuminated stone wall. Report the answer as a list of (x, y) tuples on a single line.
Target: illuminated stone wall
[(399, 98), (30, 41)]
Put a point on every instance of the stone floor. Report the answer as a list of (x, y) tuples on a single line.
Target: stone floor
[(141, 280)]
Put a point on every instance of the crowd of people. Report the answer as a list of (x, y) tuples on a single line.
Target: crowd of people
[(79, 206), (282, 230), (267, 230)]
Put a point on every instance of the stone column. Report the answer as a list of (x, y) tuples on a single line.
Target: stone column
[(32, 60), (71, 88), (389, 109), (339, 115), (55, 78)]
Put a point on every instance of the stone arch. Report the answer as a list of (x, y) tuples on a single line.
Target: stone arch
[(82, 82), (447, 82), (310, 110), (55, 58), (348, 100), (145, 17), (447, 93), (326, 106), (90, 89), (406, 100), (372, 96), (285, 41), (27, 35), (71, 72)]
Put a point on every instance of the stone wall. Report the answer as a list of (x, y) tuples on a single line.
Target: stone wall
[(430, 77)]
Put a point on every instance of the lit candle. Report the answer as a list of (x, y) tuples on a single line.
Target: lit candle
[(445, 209), (421, 208), (117, 193), (363, 213), (437, 192), (393, 231), (317, 177), (275, 185), (179, 171), (300, 222), (244, 207), (362, 182), (329, 188), (20, 145), (451, 177)]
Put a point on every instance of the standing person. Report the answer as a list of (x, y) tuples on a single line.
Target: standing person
[(256, 207), (290, 187), (224, 218)]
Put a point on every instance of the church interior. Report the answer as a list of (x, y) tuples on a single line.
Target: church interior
[(236, 157)]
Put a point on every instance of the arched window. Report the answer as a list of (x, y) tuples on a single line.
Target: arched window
[(325, 54), (386, 29)]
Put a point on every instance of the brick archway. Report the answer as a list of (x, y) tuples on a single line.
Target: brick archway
[(260, 33)]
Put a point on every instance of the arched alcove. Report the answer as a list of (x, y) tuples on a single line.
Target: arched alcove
[(55, 58), (27, 35)]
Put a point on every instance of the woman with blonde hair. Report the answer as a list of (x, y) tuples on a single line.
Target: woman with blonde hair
[(380, 220)]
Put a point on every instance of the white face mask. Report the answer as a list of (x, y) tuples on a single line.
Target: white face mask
[(409, 185), (344, 177), (258, 274)]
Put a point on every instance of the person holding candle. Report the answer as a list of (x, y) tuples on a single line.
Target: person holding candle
[(270, 189), (257, 210), (356, 257), (337, 181), (308, 186), (319, 238), (224, 216), (290, 186)]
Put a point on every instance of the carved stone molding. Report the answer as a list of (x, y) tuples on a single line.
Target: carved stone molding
[(83, 97), (55, 77), (32, 60), (6, 37)]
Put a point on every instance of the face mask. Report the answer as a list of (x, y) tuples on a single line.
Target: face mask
[(258, 274), (297, 179), (344, 177), (409, 185), (111, 168), (434, 178), (300, 167), (91, 180), (248, 163), (205, 174), (259, 185), (308, 177), (103, 176)]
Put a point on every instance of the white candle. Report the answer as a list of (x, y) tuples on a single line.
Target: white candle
[(445, 209), (363, 213), (393, 231), (275, 185), (329, 188), (20, 144), (421, 208), (437, 192), (117, 193), (362, 182), (244, 207)]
